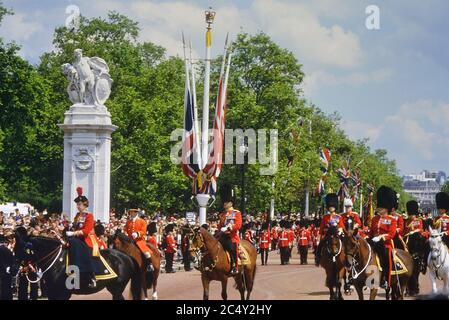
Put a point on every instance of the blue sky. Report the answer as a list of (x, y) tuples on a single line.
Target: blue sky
[(389, 85)]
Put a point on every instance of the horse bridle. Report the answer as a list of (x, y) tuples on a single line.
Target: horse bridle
[(201, 251), (438, 250), (39, 273), (354, 273), (334, 256)]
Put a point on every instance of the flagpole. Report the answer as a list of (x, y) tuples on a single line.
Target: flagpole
[(203, 198), (210, 15), (195, 109)]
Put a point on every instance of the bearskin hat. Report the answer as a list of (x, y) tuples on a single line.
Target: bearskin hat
[(442, 200), (386, 198), (81, 197), (152, 227), (265, 226), (331, 201), (99, 229), (226, 193), (283, 224), (169, 227), (412, 207)]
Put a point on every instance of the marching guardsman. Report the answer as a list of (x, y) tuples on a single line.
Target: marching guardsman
[(442, 221), (264, 243), (351, 219), (152, 234), (170, 248), (136, 229), (248, 233), (304, 237), (283, 242), (230, 224), (331, 219), (274, 235), (291, 239), (383, 230), (83, 241)]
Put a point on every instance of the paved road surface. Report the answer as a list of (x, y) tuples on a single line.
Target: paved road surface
[(273, 282)]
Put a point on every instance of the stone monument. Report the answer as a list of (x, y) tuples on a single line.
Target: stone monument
[(87, 135)]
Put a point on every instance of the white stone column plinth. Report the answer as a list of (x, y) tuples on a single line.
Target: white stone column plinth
[(87, 158)]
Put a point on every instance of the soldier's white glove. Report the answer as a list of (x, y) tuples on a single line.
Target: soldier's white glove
[(134, 235), (376, 239), (340, 233), (70, 233), (224, 229)]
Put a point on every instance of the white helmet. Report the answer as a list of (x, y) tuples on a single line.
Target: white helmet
[(348, 202)]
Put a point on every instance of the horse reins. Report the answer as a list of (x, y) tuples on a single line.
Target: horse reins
[(204, 253), (40, 274), (354, 272)]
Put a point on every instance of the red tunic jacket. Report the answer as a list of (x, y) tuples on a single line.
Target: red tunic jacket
[(399, 222), (264, 239), (234, 219), (384, 226), (303, 237), (329, 218), (354, 216), (139, 226)]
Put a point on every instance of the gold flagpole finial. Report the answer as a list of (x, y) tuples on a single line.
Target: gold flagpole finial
[(210, 15)]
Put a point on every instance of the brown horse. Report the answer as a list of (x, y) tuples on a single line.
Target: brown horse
[(214, 264), (333, 262), (123, 243), (362, 266)]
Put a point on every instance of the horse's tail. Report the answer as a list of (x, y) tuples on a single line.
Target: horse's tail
[(136, 282)]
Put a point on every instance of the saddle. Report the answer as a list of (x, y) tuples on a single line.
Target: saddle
[(242, 256), (103, 270), (400, 265)]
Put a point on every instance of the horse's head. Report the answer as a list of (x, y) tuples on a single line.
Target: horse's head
[(333, 242), (436, 243), (196, 241), (119, 240), (350, 246)]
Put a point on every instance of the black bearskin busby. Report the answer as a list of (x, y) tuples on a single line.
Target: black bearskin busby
[(99, 229), (169, 227), (152, 227), (386, 198), (265, 226), (442, 200), (81, 197), (226, 194), (331, 201), (412, 207)]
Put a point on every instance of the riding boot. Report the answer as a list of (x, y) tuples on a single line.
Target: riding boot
[(150, 267), (234, 258)]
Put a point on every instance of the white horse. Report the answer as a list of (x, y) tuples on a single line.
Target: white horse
[(438, 261)]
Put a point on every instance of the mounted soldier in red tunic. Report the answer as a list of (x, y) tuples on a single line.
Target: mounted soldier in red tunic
[(82, 239), (383, 230), (230, 224), (442, 221), (331, 219)]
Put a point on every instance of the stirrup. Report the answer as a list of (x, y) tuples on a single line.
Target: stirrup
[(92, 284)]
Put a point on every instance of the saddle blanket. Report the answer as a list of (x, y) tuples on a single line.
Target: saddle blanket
[(103, 270), (242, 256), (400, 266)]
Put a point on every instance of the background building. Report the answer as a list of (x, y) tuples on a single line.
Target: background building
[(424, 186)]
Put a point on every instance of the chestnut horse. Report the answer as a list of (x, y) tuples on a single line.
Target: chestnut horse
[(214, 263), (124, 244), (332, 260), (362, 266)]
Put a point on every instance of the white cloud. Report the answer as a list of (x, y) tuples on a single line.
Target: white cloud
[(322, 78), (361, 130), (20, 27), (420, 126), (297, 27)]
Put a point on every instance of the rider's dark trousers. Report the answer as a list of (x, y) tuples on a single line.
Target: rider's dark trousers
[(6, 287), (264, 255), (231, 247)]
